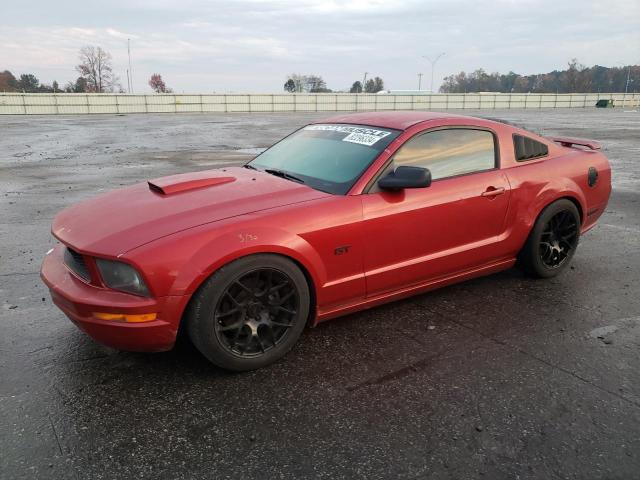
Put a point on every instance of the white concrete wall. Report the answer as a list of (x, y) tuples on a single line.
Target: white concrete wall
[(80, 103)]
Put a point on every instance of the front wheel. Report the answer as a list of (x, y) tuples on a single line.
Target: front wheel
[(249, 313), (552, 241)]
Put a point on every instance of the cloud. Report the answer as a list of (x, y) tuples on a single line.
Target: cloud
[(196, 24), (118, 34)]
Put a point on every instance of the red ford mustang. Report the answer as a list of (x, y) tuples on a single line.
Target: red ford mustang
[(339, 216)]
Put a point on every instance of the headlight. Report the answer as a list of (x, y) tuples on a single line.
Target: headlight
[(121, 276)]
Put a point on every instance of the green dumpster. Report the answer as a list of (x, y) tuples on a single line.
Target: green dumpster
[(604, 103)]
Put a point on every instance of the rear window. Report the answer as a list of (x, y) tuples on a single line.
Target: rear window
[(527, 148)]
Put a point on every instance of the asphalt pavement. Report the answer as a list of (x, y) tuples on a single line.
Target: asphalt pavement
[(502, 377)]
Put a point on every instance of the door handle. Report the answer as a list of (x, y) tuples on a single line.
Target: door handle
[(493, 192)]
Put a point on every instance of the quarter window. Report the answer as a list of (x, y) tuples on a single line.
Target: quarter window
[(527, 148), (451, 152)]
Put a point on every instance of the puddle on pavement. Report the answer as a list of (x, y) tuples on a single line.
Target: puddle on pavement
[(196, 158), (252, 151)]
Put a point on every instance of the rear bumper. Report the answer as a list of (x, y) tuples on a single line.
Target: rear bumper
[(79, 300)]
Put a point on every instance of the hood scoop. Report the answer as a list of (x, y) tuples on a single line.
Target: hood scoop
[(184, 182)]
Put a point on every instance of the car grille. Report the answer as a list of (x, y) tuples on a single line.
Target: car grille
[(76, 264)]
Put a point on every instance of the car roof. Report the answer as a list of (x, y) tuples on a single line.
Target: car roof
[(396, 120)]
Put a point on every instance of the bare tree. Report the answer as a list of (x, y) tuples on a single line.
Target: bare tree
[(307, 83), (315, 84), (97, 69)]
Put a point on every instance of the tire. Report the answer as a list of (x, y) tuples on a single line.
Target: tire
[(250, 312), (553, 240)]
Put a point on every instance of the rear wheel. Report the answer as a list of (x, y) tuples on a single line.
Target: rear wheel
[(552, 241), (249, 313)]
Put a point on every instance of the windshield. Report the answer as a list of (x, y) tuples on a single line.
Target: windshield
[(328, 157)]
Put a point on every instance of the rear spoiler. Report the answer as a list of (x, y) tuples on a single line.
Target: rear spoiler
[(570, 141)]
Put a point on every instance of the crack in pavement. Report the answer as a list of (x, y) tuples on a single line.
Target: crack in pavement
[(620, 227), (55, 434), (414, 366), (18, 273), (546, 362), (395, 374)]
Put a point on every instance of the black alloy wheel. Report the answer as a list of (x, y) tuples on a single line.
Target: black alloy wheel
[(553, 240), (559, 238), (250, 312), (256, 312)]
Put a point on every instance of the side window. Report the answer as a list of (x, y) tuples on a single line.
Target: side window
[(527, 148), (450, 152)]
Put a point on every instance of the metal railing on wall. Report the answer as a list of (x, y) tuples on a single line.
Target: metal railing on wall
[(81, 103)]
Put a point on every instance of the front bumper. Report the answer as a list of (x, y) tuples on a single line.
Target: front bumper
[(79, 300)]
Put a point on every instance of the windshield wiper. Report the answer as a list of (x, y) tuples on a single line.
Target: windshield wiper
[(283, 174), (248, 165)]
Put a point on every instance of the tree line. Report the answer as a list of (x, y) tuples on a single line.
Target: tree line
[(297, 83), (27, 82), (96, 76), (575, 78)]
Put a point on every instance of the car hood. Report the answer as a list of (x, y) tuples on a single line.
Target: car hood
[(118, 221)]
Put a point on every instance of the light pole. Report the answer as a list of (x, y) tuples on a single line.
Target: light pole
[(626, 85), (364, 81), (433, 65), (129, 72), (420, 82)]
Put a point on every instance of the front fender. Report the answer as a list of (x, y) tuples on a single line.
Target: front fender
[(234, 245), (179, 263)]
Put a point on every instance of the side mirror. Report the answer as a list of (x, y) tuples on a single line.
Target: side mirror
[(406, 177)]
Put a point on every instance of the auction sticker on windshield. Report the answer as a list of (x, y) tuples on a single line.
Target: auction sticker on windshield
[(360, 135)]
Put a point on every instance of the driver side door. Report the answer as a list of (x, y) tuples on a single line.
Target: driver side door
[(412, 236)]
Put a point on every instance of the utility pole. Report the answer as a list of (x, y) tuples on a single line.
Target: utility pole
[(419, 82), (364, 81), (129, 72), (433, 65), (626, 85)]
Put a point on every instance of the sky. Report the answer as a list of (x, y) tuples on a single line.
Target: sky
[(202, 46)]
